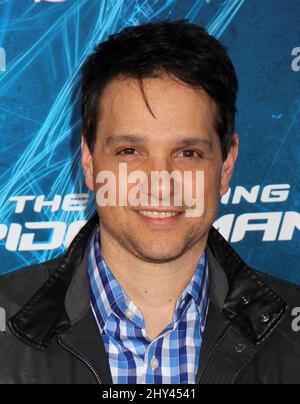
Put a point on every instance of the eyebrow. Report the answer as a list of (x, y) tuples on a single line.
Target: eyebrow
[(185, 142), (196, 141), (125, 138)]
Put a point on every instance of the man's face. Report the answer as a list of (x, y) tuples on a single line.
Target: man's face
[(180, 136)]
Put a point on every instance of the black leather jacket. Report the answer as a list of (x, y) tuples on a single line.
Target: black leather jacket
[(52, 336)]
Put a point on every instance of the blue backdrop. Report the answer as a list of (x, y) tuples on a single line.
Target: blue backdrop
[(42, 46)]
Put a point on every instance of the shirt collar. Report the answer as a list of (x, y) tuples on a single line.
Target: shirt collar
[(107, 295), (197, 290)]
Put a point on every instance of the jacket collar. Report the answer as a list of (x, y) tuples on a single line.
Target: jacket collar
[(65, 298), (251, 305)]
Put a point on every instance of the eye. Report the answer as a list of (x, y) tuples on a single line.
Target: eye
[(190, 154), (126, 152)]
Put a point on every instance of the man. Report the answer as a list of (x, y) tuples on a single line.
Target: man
[(147, 293)]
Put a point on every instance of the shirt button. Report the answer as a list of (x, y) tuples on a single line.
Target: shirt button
[(154, 363), (129, 314)]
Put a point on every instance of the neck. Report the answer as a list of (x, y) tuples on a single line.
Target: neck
[(150, 284)]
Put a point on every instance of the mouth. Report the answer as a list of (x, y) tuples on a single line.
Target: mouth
[(158, 214), (159, 217)]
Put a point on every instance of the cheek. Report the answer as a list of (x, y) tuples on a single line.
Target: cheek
[(212, 181), (211, 195), (112, 217)]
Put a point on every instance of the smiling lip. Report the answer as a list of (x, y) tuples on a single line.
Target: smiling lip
[(159, 216)]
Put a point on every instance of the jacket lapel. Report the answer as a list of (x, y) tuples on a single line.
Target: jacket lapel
[(234, 331), (225, 351), (88, 347)]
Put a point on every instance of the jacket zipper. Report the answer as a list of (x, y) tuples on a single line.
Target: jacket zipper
[(81, 358), (211, 354), (93, 370)]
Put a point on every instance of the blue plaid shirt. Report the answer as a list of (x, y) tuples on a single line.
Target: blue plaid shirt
[(172, 358)]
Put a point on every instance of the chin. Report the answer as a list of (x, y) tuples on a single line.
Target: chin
[(158, 254), (158, 259)]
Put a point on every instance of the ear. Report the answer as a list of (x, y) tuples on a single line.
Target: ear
[(228, 165), (87, 163)]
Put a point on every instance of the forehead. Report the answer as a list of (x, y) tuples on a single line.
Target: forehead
[(175, 109)]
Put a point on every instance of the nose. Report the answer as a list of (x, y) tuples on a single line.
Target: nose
[(163, 182)]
